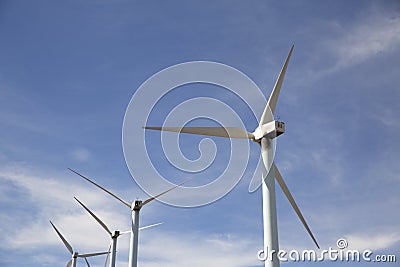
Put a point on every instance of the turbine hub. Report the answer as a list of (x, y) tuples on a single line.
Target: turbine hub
[(270, 130), (116, 234)]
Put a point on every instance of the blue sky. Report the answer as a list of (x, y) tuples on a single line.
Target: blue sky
[(70, 68)]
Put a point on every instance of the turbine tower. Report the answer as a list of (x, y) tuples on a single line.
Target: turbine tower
[(264, 134), (135, 208), (75, 255)]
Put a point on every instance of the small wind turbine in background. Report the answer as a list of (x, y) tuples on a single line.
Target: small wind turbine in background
[(267, 130), (75, 255), (135, 208), (114, 235)]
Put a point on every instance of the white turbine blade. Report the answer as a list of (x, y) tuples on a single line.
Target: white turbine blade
[(67, 245), (105, 190), (256, 180), (141, 228), (108, 255), (289, 196), (228, 132), (69, 263), (267, 156), (159, 195), (87, 262), (95, 217), (92, 254), (125, 232), (273, 99), (149, 226)]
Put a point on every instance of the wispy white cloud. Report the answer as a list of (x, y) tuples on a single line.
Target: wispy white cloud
[(52, 198), (348, 43), (373, 241), (374, 34), (387, 116), (195, 249)]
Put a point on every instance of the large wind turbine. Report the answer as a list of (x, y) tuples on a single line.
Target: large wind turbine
[(264, 134), (75, 255), (135, 209)]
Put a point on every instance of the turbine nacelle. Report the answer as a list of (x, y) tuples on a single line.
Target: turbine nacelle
[(270, 130), (137, 205), (115, 234)]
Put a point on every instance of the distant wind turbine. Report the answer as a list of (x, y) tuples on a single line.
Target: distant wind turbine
[(135, 208), (266, 131), (75, 255), (114, 235)]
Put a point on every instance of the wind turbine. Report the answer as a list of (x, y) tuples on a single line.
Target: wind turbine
[(267, 130), (114, 235), (75, 255), (135, 209)]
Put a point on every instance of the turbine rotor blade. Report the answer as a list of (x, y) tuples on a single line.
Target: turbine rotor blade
[(87, 262), (166, 191), (92, 254), (273, 99), (289, 196), (227, 132), (105, 190), (108, 255), (94, 216), (141, 228), (149, 226), (67, 245), (256, 180), (69, 263)]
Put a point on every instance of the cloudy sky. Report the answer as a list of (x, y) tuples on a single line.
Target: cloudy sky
[(70, 68)]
